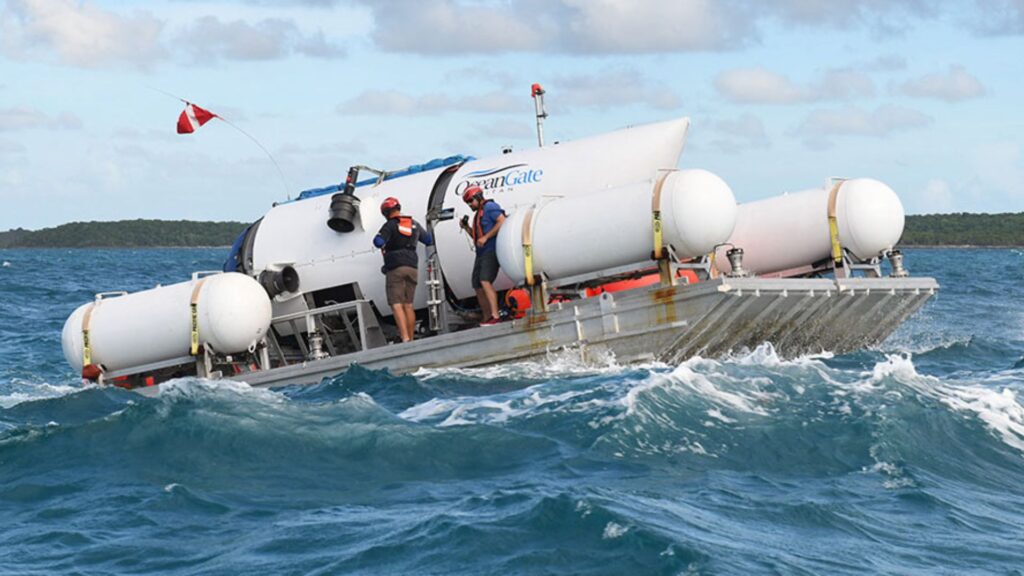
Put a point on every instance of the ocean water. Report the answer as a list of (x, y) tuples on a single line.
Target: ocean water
[(904, 459)]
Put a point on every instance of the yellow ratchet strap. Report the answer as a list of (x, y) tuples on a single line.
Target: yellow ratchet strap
[(528, 246), (833, 223), (656, 214), (194, 311), (86, 346)]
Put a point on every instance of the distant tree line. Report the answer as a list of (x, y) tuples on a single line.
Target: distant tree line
[(125, 234), (928, 230), (964, 229)]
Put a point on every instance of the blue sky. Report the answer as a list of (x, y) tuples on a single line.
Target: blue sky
[(923, 95)]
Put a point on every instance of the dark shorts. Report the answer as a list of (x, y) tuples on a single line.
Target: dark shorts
[(485, 268), (400, 284)]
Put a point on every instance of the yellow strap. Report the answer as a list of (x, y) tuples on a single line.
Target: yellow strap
[(528, 246), (656, 214), (86, 346), (712, 270), (833, 223), (194, 312)]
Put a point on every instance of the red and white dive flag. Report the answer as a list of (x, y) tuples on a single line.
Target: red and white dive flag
[(192, 118)]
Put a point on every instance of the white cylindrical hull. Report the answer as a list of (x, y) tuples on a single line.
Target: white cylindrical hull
[(594, 232), (155, 325), (296, 233), (792, 230)]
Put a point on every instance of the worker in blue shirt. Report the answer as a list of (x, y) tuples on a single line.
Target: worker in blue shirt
[(397, 239), (486, 222)]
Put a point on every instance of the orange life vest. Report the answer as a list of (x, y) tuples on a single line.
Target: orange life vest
[(405, 225)]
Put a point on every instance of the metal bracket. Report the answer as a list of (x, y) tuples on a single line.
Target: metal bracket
[(609, 321)]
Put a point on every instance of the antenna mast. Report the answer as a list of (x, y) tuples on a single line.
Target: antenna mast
[(537, 91)]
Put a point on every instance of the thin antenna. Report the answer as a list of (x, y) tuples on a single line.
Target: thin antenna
[(265, 151), (537, 91), (284, 181)]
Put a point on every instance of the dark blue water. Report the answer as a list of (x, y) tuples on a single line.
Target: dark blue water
[(906, 459)]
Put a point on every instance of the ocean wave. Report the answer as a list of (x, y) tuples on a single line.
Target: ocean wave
[(998, 408), (20, 391)]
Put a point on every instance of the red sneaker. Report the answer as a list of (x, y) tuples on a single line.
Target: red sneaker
[(491, 322)]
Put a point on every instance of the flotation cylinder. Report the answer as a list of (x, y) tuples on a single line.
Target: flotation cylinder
[(690, 210), (229, 311)]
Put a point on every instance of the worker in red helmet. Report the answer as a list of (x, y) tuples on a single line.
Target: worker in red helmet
[(397, 239), (487, 220)]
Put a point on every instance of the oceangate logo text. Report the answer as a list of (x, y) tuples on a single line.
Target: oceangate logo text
[(500, 179)]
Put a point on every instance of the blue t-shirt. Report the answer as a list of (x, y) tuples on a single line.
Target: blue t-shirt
[(491, 211)]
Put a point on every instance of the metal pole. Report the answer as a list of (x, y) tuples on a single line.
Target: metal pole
[(538, 102)]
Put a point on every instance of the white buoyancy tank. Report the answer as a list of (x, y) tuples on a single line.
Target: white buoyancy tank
[(233, 313), (791, 231), (596, 232)]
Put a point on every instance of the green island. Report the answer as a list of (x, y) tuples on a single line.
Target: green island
[(126, 234), (960, 229), (964, 229)]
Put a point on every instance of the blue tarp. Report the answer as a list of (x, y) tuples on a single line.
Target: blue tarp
[(414, 169)]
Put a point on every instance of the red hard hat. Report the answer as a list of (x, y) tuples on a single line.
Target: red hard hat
[(470, 193), (390, 203)]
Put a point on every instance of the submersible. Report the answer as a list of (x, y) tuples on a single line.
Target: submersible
[(615, 249)]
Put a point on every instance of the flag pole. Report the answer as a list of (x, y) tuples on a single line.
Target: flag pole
[(284, 181)]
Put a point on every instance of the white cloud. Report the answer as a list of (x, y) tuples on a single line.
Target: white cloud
[(210, 39), (821, 126), (954, 86), (761, 86), (316, 46), (630, 26), (508, 129), (844, 84), (886, 63), (79, 33), (393, 102), (11, 147), (22, 118), (616, 26), (445, 27), (936, 198), (758, 86), (741, 133), (574, 26), (613, 88), (604, 90), (884, 16), (85, 35), (998, 17)]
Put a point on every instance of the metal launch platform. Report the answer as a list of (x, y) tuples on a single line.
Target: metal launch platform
[(668, 324)]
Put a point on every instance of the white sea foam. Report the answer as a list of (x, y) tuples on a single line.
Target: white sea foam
[(584, 508), (613, 530), (6, 264), (489, 410), (765, 355), (997, 407), (559, 363), (191, 388), (1000, 410), (742, 401), (31, 392)]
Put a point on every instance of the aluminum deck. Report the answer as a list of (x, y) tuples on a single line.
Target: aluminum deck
[(797, 316)]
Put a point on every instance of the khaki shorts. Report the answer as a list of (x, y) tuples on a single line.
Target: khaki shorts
[(401, 284)]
